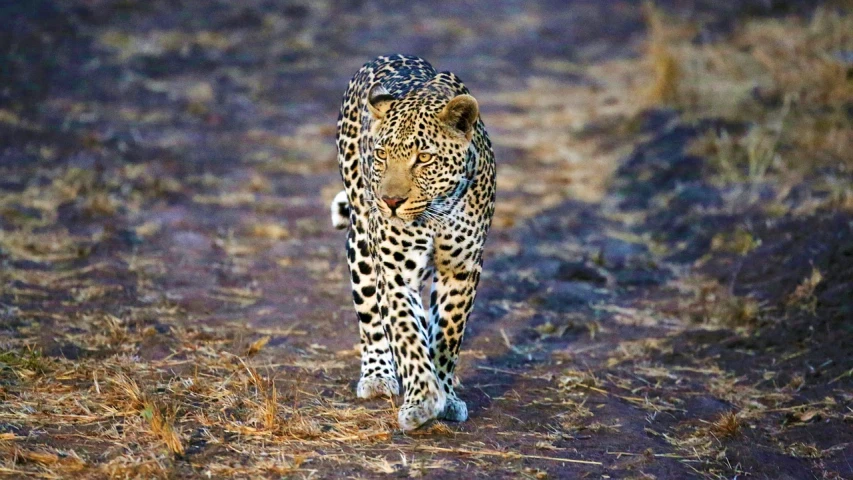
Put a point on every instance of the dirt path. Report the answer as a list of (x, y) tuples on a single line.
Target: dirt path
[(174, 302)]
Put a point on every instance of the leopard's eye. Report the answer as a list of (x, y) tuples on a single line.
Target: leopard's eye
[(380, 154), (424, 158)]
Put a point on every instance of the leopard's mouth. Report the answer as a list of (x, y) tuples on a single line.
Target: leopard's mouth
[(407, 212), (405, 217)]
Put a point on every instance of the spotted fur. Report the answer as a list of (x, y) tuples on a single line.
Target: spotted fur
[(419, 177)]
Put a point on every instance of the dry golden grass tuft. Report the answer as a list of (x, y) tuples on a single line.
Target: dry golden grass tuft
[(160, 423), (54, 245), (270, 231), (739, 241), (163, 426), (257, 346), (803, 296), (100, 204), (715, 304), (728, 425), (270, 408), (667, 73)]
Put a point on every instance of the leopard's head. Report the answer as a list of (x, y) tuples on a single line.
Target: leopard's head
[(420, 148)]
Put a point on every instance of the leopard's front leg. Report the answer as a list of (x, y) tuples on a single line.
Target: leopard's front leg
[(378, 377), (454, 288), (400, 271)]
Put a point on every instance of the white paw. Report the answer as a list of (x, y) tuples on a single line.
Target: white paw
[(413, 415), (340, 210), (372, 387), (455, 410)]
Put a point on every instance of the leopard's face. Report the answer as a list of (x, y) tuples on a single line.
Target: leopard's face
[(419, 154)]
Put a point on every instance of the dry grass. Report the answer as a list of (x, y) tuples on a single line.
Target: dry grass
[(714, 304), (739, 241), (786, 80), (727, 426), (547, 122), (159, 422), (804, 297), (270, 231), (151, 407), (141, 415), (665, 87)]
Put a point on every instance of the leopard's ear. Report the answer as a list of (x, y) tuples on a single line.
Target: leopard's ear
[(379, 100), (461, 114)]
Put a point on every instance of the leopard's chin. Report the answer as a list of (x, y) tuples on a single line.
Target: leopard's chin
[(402, 221), (397, 220), (410, 217), (405, 218)]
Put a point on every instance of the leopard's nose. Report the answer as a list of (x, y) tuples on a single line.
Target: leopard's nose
[(393, 202)]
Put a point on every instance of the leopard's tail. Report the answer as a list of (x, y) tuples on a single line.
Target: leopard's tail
[(340, 211)]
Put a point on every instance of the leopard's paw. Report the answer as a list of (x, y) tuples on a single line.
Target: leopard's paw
[(372, 387), (414, 414), (455, 410)]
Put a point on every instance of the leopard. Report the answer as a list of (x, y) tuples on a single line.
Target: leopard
[(419, 179)]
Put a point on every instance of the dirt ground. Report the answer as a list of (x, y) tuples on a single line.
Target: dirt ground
[(668, 285)]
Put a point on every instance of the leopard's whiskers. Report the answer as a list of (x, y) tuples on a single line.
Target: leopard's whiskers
[(436, 216)]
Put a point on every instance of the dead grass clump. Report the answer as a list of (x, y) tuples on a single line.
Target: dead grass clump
[(740, 241), (728, 425), (257, 346), (269, 407), (659, 55), (765, 61), (735, 311), (260, 393), (750, 401), (100, 204), (270, 231), (127, 466), (69, 463), (133, 394), (536, 473), (163, 426), (25, 363), (804, 56), (803, 296), (638, 350), (160, 423), (55, 245), (44, 458), (803, 450), (301, 427), (577, 379), (576, 416), (596, 427), (715, 304), (747, 157)]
